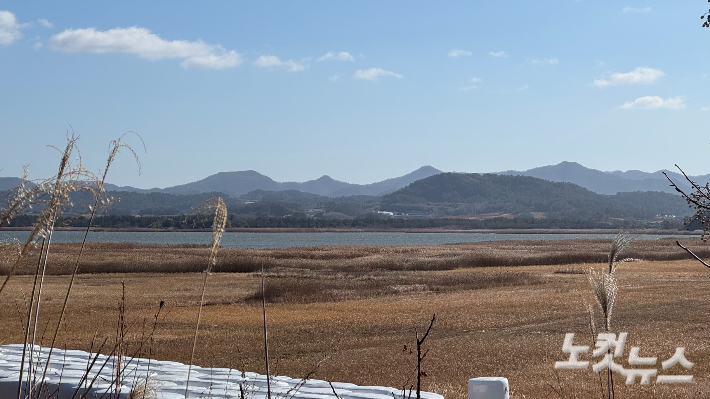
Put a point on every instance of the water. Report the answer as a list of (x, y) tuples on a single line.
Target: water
[(285, 240)]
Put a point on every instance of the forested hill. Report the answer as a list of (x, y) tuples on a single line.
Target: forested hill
[(442, 195), (450, 194)]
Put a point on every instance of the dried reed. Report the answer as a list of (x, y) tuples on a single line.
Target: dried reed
[(605, 288), (115, 147), (54, 193), (217, 205)]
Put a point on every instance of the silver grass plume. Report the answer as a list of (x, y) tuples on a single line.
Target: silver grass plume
[(144, 389), (217, 205), (100, 200), (619, 245), (605, 288), (23, 197), (219, 222), (56, 190), (604, 284)]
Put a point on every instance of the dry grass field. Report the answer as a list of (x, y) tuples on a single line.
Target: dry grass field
[(502, 310)]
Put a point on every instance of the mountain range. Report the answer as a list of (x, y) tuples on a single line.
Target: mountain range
[(238, 183), (437, 195), (610, 183), (243, 182)]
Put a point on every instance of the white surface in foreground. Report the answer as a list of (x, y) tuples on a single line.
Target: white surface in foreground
[(67, 370), (488, 388)]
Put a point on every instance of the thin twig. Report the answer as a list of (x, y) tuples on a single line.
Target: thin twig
[(266, 339), (692, 254), (420, 357), (333, 388)]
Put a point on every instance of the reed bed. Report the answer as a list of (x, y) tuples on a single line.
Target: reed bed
[(149, 258), (511, 331), (310, 287)]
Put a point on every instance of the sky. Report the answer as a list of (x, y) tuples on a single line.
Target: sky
[(360, 91)]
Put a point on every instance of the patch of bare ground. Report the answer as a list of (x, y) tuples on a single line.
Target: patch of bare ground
[(360, 307)]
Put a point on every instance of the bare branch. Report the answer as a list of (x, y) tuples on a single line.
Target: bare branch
[(692, 254)]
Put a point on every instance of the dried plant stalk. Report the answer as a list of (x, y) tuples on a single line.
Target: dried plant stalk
[(605, 288), (218, 225), (99, 199)]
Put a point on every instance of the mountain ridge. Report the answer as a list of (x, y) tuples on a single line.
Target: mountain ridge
[(609, 183), (238, 183), (454, 194)]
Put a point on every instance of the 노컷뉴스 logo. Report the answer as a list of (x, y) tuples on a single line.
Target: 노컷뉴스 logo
[(608, 347)]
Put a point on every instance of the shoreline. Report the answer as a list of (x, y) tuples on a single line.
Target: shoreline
[(375, 230)]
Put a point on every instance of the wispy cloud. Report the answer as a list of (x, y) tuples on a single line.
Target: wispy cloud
[(459, 53), (599, 63), (10, 28), (523, 87), (341, 56), (654, 102), (633, 9), (705, 109), (473, 80), (640, 75), (374, 74), (545, 61), (498, 54), (272, 61), (334, 78), (45, 23), (145, 44)]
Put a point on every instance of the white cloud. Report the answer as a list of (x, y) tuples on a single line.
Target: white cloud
[(45, 23), (38, 45), (213, 61), (545, 61), (145, 44), (374, 74), (9, 28), (640, 75), (473, 80), (272, 61), (498, 54), (654, 102), (632, 9), (523, 87), (705, 109), (459, 53), (341, 56), (268, 61), (334, 78), (599, 63)]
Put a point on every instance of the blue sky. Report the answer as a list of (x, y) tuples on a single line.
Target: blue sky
[(361, 91)]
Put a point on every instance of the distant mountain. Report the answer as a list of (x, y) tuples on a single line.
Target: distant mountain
[(675, 176), (113, 187), (236, 184), (452, 194), (323, 185), (230, 183), (7, 183), (387, 186), (608, 182)]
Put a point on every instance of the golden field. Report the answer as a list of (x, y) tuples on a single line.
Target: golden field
[(502, 309)]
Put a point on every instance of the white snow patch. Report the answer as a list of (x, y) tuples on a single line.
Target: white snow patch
[(67, 373)]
